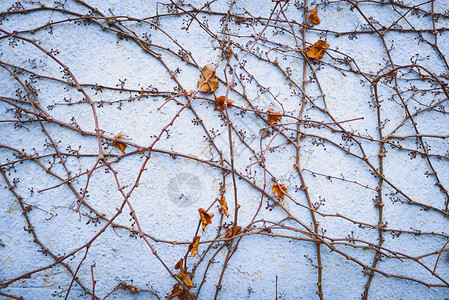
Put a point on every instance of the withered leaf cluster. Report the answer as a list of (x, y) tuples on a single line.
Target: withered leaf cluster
[(182, 292)]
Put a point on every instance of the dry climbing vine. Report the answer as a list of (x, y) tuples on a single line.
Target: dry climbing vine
[(268, 149)]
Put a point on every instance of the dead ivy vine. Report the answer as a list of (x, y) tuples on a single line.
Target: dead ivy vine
[(267, 190)]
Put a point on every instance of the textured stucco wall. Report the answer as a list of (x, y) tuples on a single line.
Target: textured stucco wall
[(171, 190)]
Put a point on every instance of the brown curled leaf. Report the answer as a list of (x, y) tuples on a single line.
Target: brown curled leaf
[(176, 292), (228, 53), (313, 17), (234, 231), (208, 82), (193, 247), (224, 206), (279, 190), (183, 275), (205, 217), (180, 293), (185, 279), (317, 50), (118, 144), (220, 103), (178, 265), (273, 116)]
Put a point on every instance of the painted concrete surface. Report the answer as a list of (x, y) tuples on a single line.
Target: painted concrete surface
[(171, 189)]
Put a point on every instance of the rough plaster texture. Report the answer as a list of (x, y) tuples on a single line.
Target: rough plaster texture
[(172, 190)]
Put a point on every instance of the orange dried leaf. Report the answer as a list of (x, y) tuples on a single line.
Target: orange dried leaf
[(193, 247), (118, 144), (179, 264), (228, 53), (176, 292), (273, 116), (279, 190), (208, 82), (317, 50), (205, 217), (180, 293), (234, 231), (224, 206), (183, 275), (220, 103), (185, 279), (313, 17), (188, 92)]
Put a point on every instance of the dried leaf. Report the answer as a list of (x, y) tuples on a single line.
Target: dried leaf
[(124, 286), (273, 116), (224, 206), (208, 82), (178, 265), (183, 275), (205, 217), (220, 103), (176, 292), (193, 247), (118, 144), (180, 293), (228, 53), (313, 17), (234, 231), (185, 279), (317, 50), (188, 92), (279, 190)]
